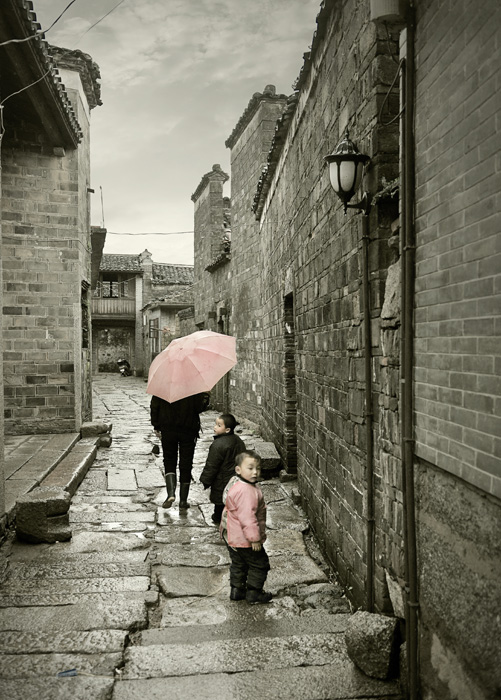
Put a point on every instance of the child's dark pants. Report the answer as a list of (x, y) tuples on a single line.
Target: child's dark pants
[(248, 568)]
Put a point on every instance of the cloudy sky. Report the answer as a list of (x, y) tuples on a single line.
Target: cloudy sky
[(176, 76)]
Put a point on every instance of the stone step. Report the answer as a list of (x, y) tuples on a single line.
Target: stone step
[(233, 655), (78, 688), (338, 680), (239, 626), (79, 642), (131, 615)]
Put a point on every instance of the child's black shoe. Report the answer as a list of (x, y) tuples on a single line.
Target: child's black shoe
[(254, 596), (237, 593)]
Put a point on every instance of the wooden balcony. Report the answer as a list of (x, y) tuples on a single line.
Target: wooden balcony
[(114, 308)]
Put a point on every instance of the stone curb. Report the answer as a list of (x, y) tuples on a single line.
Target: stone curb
[(70, 471), (33, 513)]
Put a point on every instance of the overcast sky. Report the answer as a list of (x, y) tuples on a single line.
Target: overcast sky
[(176, 76)]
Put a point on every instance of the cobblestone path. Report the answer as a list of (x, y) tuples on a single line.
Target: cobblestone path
[(136, 605)]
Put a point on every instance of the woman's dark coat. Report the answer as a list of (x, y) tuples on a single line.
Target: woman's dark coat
[(179, 416), (220, 464)]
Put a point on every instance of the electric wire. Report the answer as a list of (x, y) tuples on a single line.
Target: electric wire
[(37, 34), (162, 233), (100, 20), (41, 31)]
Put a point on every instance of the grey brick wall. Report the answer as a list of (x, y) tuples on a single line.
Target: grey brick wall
[(249, 150), (458, 309), (312, 249), (457, 347), (45, 257)]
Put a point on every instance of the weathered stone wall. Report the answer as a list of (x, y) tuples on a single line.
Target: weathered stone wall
[(82, 278), (211, 270), (186, 321), (250, 144), (212, 265), (45, 252), (311, 251), (2, 442), (457, 348)]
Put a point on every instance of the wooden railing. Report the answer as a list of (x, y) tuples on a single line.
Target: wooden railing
[(113, 307)]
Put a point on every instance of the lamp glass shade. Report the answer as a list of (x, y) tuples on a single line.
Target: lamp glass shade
[(346, 167), (347, 175)]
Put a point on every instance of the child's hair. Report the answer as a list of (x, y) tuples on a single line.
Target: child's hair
[(248, 453), (229, 421)]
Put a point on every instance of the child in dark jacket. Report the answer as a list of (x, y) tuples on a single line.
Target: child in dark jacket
[(221, 460)]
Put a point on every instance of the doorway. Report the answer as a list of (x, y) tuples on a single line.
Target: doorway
[(290, 432)]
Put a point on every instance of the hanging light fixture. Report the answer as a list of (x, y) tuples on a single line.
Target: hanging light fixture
[(346, 166)]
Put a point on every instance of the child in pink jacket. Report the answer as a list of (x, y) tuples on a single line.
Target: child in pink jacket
[(244, 529)]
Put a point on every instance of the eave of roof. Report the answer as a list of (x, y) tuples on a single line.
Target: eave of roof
[(217, 173), (90, 74), (165, 273), (35, 67), (121, 263), (269, 95)]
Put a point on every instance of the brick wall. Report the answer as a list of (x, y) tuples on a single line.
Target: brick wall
[(312, 251), (45, 255), (249, 143), (458, 359), (212, 265), (457, 347)]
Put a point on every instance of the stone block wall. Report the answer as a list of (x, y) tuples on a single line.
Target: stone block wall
[(457, 347)]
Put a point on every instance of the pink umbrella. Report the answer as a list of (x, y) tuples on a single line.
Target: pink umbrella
[(191, 364)]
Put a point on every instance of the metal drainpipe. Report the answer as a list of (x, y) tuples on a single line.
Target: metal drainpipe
[(369, 462), (408, 274)]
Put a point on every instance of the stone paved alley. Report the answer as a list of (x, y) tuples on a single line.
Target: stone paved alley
[(136, 604)]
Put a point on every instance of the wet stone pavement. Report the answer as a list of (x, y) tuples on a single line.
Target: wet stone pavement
[(136, 604)]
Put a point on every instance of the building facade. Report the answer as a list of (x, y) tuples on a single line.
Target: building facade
[(368, 343), (134, 307), (45, 229), (47, 95)]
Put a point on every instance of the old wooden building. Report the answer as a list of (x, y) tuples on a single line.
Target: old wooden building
[(135, 303)]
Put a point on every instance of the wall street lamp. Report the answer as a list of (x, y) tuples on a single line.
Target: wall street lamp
[(346, 166)]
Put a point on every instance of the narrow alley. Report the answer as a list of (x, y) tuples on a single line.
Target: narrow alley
[(136, 604)]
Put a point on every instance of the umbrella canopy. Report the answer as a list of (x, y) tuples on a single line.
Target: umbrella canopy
[(191, 364)]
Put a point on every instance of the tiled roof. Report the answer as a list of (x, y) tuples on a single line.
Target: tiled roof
[(163, 273), (121, 263), (217, 173), (89, 71), (179, 296)]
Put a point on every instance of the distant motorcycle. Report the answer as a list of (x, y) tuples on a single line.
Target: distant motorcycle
[(124, 368)]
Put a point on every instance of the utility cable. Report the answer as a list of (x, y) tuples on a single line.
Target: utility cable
[(100, 20), (164, 233), (41, 31)]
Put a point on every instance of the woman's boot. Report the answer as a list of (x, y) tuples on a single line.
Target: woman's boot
[(184, 490), (170, 482)]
